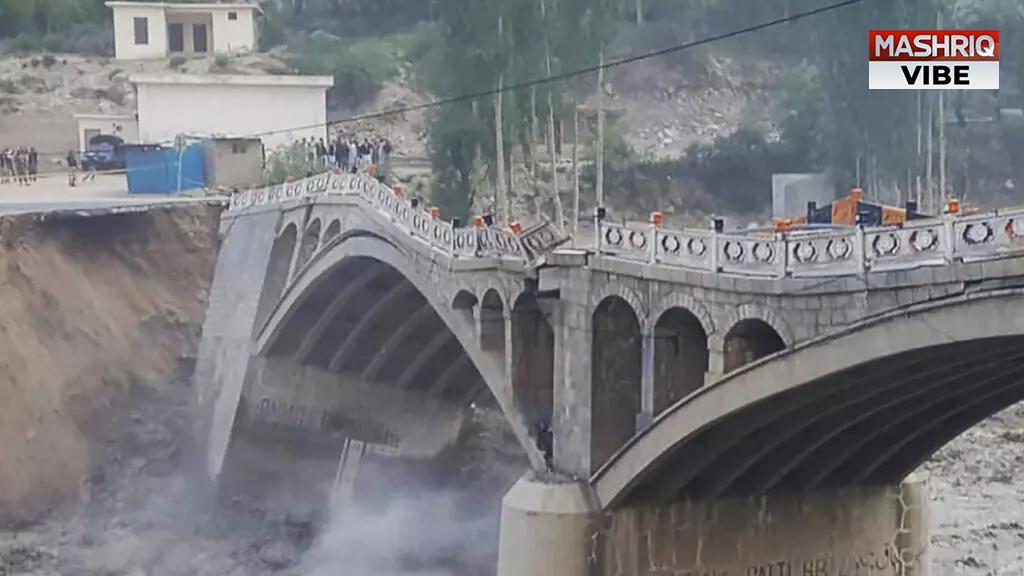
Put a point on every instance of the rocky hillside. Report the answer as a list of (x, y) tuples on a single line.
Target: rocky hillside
[(40, 94)]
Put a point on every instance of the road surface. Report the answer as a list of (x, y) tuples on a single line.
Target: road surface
[(104, 194)]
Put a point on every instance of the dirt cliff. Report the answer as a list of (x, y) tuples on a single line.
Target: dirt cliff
[(91, 308)]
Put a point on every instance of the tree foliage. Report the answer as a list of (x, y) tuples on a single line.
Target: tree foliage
[(483, 42)]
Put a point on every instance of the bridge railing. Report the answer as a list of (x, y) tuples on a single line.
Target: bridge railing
[(832, 252), (412, 217)]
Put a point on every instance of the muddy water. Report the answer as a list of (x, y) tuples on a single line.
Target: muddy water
[(978, 500), (134, 519)]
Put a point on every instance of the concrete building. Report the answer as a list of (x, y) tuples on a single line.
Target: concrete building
[(124, 126), (233, 162), (160, 29), (792, 192), (278, 109)]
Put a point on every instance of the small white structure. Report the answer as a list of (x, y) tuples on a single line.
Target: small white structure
[(792, 192), (159, 29), (277, 109), (124, 126)]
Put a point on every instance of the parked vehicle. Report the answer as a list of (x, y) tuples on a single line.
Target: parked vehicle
[(103, 152)]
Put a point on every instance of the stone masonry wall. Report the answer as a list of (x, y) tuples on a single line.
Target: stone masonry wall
[(866, 532)]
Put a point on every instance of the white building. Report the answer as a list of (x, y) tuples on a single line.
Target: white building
[(123, 126), (159, 29), (277, 109)]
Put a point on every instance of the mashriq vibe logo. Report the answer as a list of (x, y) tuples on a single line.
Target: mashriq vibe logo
[(933, 60)]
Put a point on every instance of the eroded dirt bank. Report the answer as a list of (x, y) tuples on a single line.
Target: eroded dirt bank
[(91, 308)]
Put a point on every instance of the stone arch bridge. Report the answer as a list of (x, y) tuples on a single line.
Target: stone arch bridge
[(653, 367)]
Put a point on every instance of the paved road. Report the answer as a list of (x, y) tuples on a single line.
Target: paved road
[(103, 195)]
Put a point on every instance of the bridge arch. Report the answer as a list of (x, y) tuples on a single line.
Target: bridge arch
[(688, 303), (310, 243), (452, 351), (628, 295), (863, 406), (465, 303), (533, 363), (753, 333), (276, 277), (616, 374), (332, 231), (681, 356), (492, 314)]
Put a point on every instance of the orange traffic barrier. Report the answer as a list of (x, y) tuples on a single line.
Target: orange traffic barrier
[(478, 221), (516, 227), (657, 218), (953, 206), (782, 224), (435, 211)]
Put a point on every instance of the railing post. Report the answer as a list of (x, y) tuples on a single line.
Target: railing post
[(652, 249), (716, 227), (599, 214), (862, 251), (948, 240), (783, 244)]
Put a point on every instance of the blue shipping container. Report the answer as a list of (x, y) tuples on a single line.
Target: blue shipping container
[(154, 169)]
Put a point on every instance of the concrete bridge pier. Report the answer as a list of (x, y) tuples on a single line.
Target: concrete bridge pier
[(551, 529), (547, 529)]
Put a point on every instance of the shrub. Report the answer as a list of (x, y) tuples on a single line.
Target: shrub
[(221, 60), (83, 38), (49, 60), (176, 61), (34, 62), (287, 162)]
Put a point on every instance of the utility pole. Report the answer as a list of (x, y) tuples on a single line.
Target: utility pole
[(942, 141), (499, 144), (575, 173), (559, 212), (917, 168), (599, 151), (929, 168)]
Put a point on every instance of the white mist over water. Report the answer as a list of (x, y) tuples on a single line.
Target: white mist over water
[(415, 534)]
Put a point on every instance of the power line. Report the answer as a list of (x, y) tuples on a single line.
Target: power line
[(562, 76), (573, 73)]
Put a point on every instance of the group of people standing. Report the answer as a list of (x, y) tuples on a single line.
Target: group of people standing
[(19, 165), (349, 154)]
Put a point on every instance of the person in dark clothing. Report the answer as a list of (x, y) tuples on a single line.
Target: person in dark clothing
[(5, 167), (341, 150), (544, 440), (33, 164), (72, 167)]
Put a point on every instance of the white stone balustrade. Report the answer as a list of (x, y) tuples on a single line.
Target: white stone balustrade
[(838, 251), (487, 242)]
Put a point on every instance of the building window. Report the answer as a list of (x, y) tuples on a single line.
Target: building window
[(141, 31), (232, 15), (238, 147)]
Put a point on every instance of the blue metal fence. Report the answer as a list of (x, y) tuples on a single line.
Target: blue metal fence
[(155, 170)]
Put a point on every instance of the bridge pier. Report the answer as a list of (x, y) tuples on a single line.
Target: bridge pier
[(547, 529), (555, 530)]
